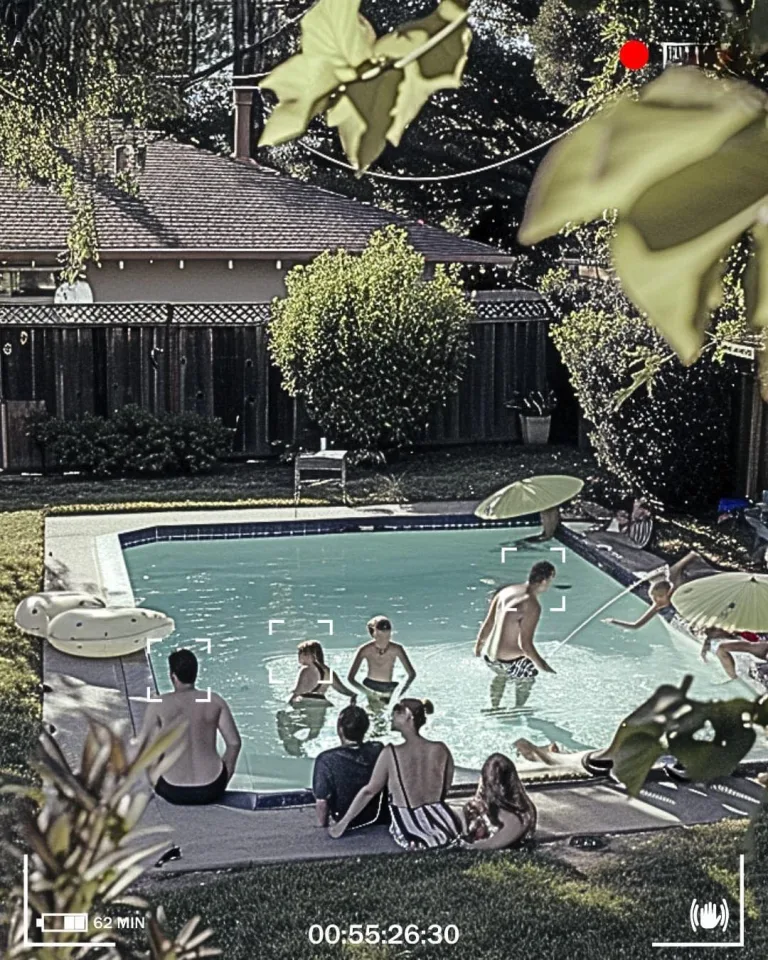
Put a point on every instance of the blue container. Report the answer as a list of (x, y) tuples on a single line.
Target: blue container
[(729, 504)]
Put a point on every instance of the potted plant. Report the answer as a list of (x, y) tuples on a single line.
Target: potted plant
[(535, 409)]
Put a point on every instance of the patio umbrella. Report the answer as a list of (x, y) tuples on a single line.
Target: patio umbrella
[(731, 601), (529, 496)]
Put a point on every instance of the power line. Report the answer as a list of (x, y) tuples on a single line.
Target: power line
[(439, 176)]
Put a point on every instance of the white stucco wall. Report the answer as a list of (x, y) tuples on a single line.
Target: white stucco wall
[(200, 281)]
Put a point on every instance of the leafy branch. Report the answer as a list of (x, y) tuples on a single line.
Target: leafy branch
[(86, 851), (371, 88)]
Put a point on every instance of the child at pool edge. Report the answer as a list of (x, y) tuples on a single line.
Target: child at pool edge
[(661, 593)]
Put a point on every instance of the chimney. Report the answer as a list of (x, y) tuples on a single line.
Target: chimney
[(243, 122)]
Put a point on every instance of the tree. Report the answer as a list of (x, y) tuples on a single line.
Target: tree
[(567, 46), (369, 344), (69, 68)]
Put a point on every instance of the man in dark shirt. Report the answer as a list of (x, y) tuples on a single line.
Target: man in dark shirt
[(341, 772)]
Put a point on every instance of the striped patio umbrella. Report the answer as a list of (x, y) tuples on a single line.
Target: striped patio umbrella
[(529, 496), (731, 601)]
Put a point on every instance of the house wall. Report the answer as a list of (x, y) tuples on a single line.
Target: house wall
[(200, 281)]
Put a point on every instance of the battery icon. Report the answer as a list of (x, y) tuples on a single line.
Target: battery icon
[(63, 922)]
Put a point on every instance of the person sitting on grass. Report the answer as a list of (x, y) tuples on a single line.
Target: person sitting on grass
[(341, 772), (661, 593), (417, 775), (501, 814), (199, 775)]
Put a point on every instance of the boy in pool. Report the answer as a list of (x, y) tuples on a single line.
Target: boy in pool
[(660, 593), (381, 655)]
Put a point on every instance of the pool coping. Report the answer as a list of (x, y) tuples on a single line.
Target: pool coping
[(110, 534)]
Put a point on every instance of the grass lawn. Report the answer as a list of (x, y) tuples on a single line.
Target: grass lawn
[(527, 905), (533, 906)]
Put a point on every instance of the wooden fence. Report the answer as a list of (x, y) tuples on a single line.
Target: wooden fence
[(212, 359)]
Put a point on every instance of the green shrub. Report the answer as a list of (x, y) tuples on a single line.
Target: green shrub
[(670, 442), (369, 344), (133, 442)]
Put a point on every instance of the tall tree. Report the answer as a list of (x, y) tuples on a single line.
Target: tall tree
[(68, 67)]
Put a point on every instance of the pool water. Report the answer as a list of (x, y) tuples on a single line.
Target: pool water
[(435, 586)]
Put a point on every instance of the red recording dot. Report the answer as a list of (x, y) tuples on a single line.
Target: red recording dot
[(634, 54)]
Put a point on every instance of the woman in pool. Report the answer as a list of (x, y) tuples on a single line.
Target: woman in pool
[(308, 699), (315, 676), (417, 774), (501, 814)]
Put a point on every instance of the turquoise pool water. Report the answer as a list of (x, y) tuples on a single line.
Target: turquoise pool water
[(435, 586)]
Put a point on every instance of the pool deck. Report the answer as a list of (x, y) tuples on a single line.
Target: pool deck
[(224, 836)]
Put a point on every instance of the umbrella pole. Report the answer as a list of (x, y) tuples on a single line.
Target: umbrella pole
[(624, 592)]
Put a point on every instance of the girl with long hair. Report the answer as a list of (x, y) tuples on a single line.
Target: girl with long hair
[(501, 814)]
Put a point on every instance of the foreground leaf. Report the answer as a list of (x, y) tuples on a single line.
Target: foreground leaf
[(670, 722), (686, 167), (335, 41)]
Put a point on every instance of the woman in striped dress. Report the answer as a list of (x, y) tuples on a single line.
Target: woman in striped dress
[(417, 774)]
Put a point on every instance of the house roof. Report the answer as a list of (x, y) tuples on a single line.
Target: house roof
[(192, 202)]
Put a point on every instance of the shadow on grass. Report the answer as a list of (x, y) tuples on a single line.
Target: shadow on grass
[(505, 905)]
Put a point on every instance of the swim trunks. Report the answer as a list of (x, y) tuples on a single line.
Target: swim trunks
[(193, 796), (384, 687), (520, 669)]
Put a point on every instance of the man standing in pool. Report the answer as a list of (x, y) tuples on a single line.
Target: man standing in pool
[(506, 635), (381, 655)]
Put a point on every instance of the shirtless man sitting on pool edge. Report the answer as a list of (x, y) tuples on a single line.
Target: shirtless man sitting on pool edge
[(381, 655), (506, 635)]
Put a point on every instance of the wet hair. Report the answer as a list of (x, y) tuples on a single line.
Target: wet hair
[(183, 665), (315, 650), (502, 789), (353, 723), (375, 621), (420, 710), (541, 571), (660, 585)]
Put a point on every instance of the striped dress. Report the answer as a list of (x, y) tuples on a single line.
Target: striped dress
[(430, 825)]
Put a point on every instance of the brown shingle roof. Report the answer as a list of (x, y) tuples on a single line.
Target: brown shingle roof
[(193, 201)]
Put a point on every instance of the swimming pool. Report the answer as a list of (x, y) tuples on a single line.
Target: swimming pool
[(435, 586)]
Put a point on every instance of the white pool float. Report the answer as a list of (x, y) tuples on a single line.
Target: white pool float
[(34, 613), (107, 632)]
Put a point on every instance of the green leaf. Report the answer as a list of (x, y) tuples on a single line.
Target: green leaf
[(364, 116), (440, 68), (615, 156), (333, 30), (303, 85), (755, 280), (670, 722), (686, 167), (335, 41)]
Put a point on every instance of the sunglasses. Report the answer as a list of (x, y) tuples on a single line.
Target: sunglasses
[(383, 625)]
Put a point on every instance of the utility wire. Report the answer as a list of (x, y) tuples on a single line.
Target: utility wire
[(439, 176)]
